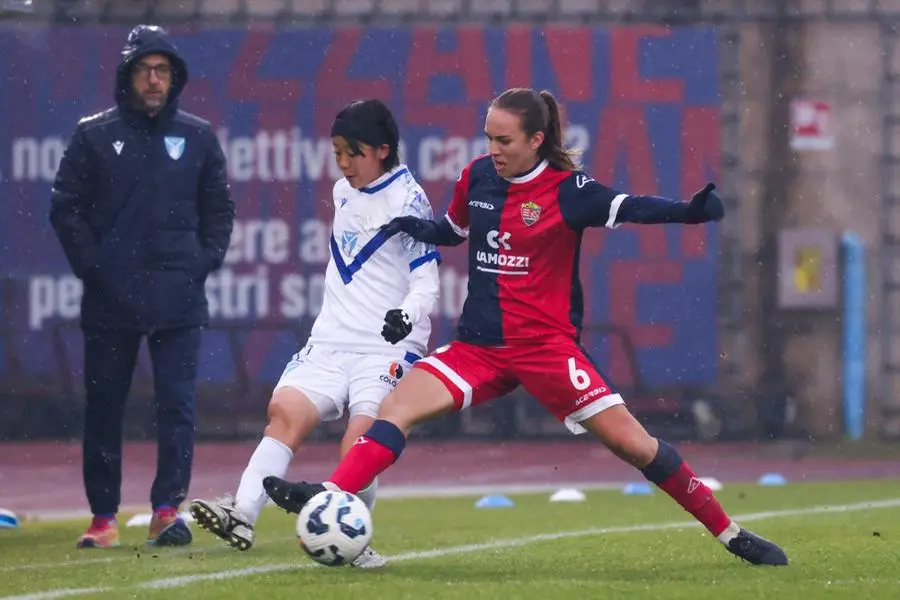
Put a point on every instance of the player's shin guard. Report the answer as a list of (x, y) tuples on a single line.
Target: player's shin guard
[(672, 475), (372, 453)]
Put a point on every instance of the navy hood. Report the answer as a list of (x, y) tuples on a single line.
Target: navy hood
[(142, 41)]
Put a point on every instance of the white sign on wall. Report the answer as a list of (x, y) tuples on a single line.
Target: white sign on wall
[(811, 125)]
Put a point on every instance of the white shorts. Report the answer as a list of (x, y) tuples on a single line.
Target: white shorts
[(333, 379)]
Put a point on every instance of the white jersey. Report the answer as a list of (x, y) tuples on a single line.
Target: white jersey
[(370, 273)]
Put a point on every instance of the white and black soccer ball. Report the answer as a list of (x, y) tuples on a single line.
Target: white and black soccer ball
[(334, 528)]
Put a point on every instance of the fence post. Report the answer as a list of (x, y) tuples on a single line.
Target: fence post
[(854, 354)]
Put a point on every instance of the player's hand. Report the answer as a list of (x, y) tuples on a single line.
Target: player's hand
[(705, 206), (412, 226), (396, 325)]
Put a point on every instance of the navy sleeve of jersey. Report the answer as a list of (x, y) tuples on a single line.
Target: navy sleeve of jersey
[(585, 203)]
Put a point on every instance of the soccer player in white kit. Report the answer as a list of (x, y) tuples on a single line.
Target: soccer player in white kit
[(374, 323)]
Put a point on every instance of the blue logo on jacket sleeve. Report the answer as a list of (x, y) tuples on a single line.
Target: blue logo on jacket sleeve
[(175, 147)]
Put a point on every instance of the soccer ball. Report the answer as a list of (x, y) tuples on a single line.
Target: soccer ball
[(334, 528)]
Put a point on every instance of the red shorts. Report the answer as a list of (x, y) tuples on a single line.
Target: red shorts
[(558, 374)]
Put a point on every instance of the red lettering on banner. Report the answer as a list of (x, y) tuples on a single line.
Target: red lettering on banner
[(244, 83), (626, 82), (571, 54), (623, 131), (467, 61), (625, 281), (518, 56), (333, 81), (700, 163)]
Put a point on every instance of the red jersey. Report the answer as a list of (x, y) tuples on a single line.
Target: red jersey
[(524, 238)]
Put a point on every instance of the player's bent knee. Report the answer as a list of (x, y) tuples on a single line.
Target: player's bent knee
[(418, 397), (291, 415)]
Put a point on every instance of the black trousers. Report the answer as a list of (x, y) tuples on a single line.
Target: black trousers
[(109, 362)]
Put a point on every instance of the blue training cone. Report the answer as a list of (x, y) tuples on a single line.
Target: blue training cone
[(772, 479), (494, 502), (637, 489), (8, 519)]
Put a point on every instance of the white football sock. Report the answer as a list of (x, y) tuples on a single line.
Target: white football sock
[(271, 457), (730, 533), (367, 495)]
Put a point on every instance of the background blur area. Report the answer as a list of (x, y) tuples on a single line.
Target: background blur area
[(791, 106)]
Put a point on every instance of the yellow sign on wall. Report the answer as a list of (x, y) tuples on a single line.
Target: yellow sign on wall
[(808, 269)]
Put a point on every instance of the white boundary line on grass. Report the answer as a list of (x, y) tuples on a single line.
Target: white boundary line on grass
[(174, 582), (397, 492)]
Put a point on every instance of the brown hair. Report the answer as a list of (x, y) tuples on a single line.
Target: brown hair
[(539, 111)]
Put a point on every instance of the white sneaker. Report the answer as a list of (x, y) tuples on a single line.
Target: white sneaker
[(221, 519), (369, 559)]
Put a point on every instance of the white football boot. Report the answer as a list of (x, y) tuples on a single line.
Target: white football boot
[(369, 559), (221, 519)]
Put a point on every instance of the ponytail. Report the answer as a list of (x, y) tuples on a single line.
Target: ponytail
[(552, 149)]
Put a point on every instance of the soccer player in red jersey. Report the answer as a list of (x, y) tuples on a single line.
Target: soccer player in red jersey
[(524, 207)]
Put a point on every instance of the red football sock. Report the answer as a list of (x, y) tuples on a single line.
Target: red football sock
[(365, 460), (695, 497)]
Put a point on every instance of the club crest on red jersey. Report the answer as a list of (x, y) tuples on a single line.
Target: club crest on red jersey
[(531, 212)]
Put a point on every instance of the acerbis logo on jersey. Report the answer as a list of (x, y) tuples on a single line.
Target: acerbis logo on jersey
[(480, 204), (500, 241)]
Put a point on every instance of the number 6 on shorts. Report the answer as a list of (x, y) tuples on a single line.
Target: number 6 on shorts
[(579, 378)]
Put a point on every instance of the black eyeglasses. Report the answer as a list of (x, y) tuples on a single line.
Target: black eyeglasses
[(162, 71)]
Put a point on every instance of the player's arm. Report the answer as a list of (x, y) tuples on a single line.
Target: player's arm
[(452, 230), (215, 207), (420, 300), (69, 205), (586, 203), (423, 283)]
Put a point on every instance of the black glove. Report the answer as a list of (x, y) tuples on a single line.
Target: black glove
[(412, 226), (705, 206), (396, 325), (439, 233)]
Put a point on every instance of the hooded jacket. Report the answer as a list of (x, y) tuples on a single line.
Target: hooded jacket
[(141, 205)]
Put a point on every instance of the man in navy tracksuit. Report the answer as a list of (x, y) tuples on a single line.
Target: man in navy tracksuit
[(142, 208)]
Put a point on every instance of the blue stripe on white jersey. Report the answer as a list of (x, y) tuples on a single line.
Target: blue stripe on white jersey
[(364, 254), (433, 255)]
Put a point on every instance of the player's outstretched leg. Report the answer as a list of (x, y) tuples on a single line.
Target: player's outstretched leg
[(292, 416), (663, 465), (419, 396)]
